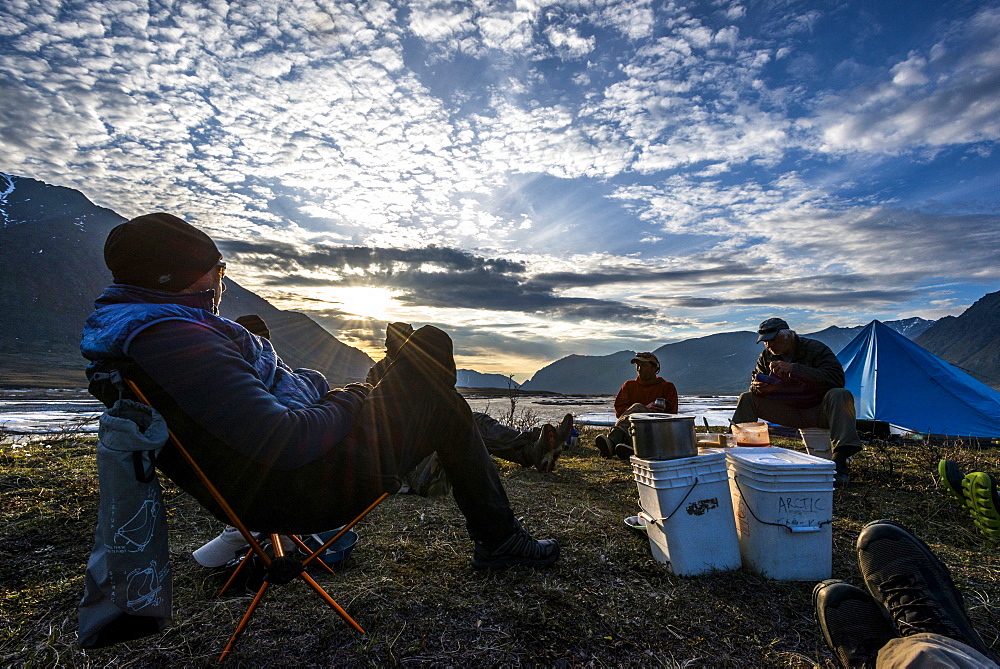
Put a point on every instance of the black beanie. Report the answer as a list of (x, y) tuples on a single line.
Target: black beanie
[(159, 251)]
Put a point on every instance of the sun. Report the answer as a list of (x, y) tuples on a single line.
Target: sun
[(364, 301)]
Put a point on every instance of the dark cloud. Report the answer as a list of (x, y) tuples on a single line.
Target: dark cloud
[(803, 299), (384, 259), (640, 275), (433, 277)]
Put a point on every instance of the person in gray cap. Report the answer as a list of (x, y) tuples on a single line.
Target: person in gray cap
[(645, 393), (799, 383)]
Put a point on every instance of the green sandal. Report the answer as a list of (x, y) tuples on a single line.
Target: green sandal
[(981, 496)]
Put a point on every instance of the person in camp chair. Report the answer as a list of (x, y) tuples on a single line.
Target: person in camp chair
[(799, 382), (289, 454)]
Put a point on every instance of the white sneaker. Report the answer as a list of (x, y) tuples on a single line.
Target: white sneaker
[(222, 549)]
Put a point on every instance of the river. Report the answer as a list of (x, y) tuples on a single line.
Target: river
[(33, 411)]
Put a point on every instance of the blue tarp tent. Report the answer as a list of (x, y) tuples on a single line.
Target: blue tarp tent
[(897, 381)]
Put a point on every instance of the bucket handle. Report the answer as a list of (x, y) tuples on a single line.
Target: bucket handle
[(650, 519), (791, 528)]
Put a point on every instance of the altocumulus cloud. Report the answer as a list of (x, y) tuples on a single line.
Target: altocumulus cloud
[(679, 166)]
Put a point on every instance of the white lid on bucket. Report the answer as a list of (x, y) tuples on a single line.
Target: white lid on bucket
[(768, 457)]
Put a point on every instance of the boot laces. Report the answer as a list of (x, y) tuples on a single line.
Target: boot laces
[(911, 607)]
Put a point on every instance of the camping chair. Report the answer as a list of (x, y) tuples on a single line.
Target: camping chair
[(280, 568)]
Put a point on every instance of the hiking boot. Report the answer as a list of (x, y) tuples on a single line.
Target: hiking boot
[(908, 580), (951, 479), (605, 446), (842, 475), (854, 626), (430, 479), (624, 452), (518, 549), (564, 429), (545, 451), (980, 494)]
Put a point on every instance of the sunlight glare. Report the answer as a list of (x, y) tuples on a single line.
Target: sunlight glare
[(364, 301)]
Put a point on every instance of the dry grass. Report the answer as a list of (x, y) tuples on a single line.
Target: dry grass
[(409, 583)]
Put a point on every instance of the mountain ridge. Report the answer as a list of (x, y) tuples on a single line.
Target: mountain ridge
[(716, 364), (971, 340), (55, 237)]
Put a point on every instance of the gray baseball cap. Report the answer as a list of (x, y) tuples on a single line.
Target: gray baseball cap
[(769, 329)]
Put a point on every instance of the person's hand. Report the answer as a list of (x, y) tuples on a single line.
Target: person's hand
[(781, 368), (652, 406), (759, 388), (361, 390)]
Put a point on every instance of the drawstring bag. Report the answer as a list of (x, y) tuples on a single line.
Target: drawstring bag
[(127, 585)]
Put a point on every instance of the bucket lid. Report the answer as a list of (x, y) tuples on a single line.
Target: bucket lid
[(658, 417), (775, 458), (706, 457)]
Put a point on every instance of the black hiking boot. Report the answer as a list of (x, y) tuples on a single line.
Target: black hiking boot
[(518, 549), (913, 585), (624, 452), (842, 476), (605, 446), (854, 626)]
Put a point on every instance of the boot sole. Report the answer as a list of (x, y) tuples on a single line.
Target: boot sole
[(945, 470), (505, 563), (978, 492), (552, 451)]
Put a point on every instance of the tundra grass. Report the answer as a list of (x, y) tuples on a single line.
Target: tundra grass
[(409, 582)]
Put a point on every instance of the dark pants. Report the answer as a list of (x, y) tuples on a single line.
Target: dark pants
[(835, 413), (505, 442), (414, 411), (620, 434)]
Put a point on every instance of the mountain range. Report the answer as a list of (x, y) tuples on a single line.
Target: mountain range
[(52, 255), (718, 364), (470, 378), (51, 252)]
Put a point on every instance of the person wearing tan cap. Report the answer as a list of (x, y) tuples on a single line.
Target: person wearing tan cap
[(645, 393)]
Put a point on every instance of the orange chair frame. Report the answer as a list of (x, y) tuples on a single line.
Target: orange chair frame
[(255, 547)]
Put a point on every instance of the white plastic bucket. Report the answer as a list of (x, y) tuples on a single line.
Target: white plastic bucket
[(784, 511), (817, 441), (688, 512)]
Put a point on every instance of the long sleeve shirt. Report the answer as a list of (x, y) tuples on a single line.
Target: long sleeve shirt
[(815, 369), (635, 391)]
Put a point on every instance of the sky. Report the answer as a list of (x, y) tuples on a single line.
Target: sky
[(538, 178)]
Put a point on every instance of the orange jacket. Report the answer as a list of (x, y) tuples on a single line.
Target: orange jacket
[(634, 391)]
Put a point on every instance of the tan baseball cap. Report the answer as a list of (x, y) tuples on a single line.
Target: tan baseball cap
[(645, 357)]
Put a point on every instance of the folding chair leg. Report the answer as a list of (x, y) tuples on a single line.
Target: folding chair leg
[(329, 600), (305, 549), (246, 619)]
